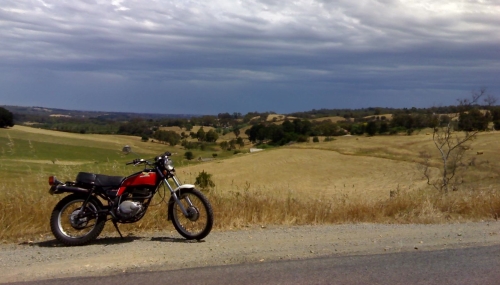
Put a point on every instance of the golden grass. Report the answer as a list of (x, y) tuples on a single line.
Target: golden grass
[(275, 117), (346, 180), (333, 119), (238, 210), (309, 172), (176, 129), (41, 161), (387, 116), (115, 142)]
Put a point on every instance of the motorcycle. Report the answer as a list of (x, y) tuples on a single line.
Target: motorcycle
[(80, 217)]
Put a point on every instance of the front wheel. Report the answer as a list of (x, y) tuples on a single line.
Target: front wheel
[(197, 224), (73, 225)]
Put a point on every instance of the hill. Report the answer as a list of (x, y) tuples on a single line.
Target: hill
[(349, 179), (55, 112)]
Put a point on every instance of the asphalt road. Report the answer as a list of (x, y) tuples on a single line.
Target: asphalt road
[(473, 265)]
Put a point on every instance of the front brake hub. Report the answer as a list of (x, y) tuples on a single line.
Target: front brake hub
[(193, 214)]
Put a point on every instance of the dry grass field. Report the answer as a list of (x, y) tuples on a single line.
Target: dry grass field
[(310, 173), (349, 165), (351, 180), (347, 180), (97, 141), (227, 137), (333, 119)]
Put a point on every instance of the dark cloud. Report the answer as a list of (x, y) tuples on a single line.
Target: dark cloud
[(218, 56)]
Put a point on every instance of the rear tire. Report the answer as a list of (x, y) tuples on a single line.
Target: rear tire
[(198, 224), (72, 230)]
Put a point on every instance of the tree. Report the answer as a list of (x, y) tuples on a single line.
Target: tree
[(170, 137), (6, 118), (255, 133), (136, 127), (384, 127), (211, 136), (451, 146), (200, 134), (240, 142), (232, 144), (473, 120), (224, 145), (371, 128), (496, 125), (236, 132), (188, 155)]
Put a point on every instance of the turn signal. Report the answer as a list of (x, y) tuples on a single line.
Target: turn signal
[(52, 179)]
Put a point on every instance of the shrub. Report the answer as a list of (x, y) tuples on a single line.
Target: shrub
[(496, 124), (190, 145), (204, 181), (302, 138), (189, 155)]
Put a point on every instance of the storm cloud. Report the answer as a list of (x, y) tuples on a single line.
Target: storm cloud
[(205, 57)]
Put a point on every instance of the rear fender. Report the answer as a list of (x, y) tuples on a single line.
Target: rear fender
[(58, 189)]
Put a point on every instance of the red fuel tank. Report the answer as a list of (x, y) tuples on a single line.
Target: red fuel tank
[(144, 178)]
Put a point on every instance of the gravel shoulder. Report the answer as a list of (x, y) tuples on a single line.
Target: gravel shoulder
[(167, 250)]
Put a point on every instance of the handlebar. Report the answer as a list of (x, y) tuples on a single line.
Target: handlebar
[(138, 161)]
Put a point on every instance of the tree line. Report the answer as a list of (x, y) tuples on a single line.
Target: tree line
[(369, 121)]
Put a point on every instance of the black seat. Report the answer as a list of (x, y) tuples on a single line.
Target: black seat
[(108, 181), (99, 180)]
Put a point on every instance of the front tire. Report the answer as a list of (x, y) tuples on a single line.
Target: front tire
[(72, 229), (198, 224)]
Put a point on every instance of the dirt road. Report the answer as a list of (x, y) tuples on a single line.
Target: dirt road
[(166, 250)]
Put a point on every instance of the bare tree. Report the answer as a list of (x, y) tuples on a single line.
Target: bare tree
[(467, 103), (490, 100), (452, 146)]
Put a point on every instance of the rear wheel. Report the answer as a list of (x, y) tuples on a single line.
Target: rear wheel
[(198, 223), (73, 225)]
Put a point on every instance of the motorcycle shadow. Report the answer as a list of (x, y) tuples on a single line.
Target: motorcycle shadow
[(114, 240), (173, 239), (99, 241)]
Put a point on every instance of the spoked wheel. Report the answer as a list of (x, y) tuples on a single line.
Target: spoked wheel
[(198, 223), (73, 225)]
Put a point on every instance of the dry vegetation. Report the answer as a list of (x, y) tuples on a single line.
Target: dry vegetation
[(333, 119), (351, 179)]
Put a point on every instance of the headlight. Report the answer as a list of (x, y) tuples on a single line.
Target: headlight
[(169, 164)]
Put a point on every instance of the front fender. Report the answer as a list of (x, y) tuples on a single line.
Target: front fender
[(184, 186)]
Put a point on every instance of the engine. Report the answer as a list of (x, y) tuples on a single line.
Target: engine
[(128, 209), (135, 201)]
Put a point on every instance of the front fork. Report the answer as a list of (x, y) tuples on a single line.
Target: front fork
[(174, 195)]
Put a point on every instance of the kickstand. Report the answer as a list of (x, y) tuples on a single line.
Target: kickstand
[(117, 229)]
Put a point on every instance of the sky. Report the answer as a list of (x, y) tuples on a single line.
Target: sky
[(216, 56)]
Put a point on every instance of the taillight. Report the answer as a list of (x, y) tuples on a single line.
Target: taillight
[(52, 180)]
